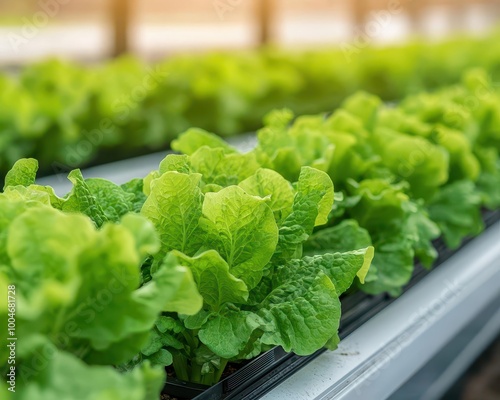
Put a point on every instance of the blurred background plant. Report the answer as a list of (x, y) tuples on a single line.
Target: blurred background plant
[(87, 82)]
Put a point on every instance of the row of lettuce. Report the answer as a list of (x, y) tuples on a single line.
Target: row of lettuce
[(218, 255), (67, 116), (209, 272)]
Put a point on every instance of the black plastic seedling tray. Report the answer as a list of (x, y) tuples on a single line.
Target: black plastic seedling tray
[(260, 375)]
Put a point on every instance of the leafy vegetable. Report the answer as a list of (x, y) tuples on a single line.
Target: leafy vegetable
[(60, 112), (238, 234), (79, 298)]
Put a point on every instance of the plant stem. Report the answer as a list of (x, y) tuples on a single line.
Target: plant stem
[(223, 364), (207, 379), (181, 367)]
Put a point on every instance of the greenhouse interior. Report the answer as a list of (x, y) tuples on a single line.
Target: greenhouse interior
[(250, 199)]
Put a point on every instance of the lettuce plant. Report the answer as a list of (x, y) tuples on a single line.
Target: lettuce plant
[(240, 229), (81, 303)]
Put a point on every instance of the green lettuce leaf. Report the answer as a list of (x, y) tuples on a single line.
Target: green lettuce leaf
[(343, 237), (215, 283), (114, 201), (302, 314), (82, 200), (218, 167), (488, 186), (229, 333), (175, 207), (194, 138), (23, 173), (266, 182), (463, 163), (422, 230), (393, 263), (414, 159), (365, 106), (341, 268), (311, 206), (135, 187), (380, 203), (174, 285), (456, 211), (175, 162), (242, 229), (286, 149), (57, 380)]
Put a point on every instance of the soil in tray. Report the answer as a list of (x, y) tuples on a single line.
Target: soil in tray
[(168, 397), (231, 369)]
